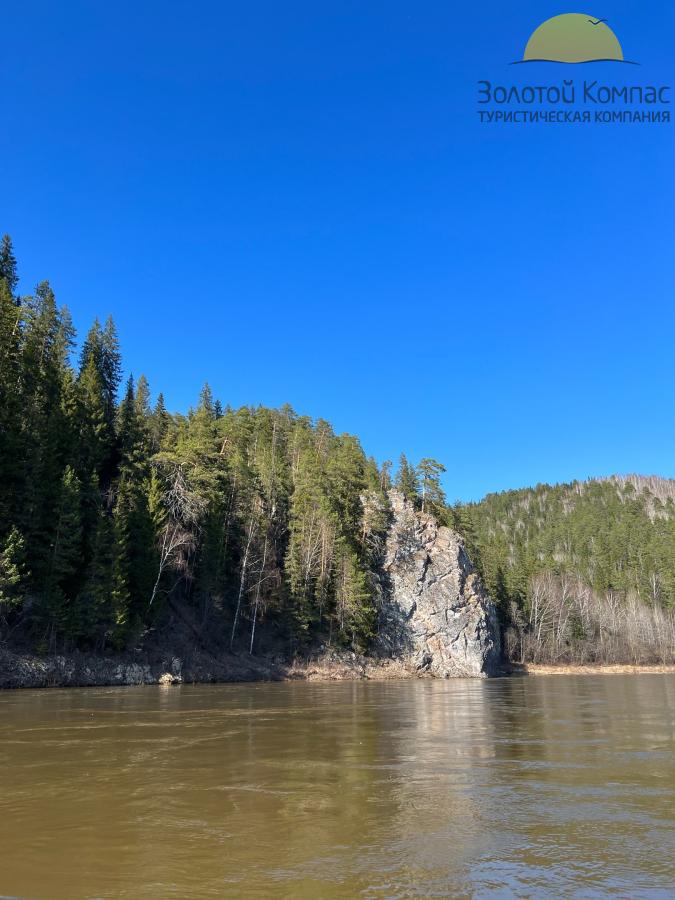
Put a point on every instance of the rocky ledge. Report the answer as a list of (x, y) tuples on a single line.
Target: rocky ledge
[(88, 670), (436, 615)]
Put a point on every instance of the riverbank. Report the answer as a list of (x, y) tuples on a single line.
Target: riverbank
[(198, 667), (616, 669), (25, 670)]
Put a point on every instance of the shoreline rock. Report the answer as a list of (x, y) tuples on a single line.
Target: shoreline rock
[(30, 671), (27, 670), (77, 670), (436, 615)]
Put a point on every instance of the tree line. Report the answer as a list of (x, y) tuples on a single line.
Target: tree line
[(117, 517), (581, 572)]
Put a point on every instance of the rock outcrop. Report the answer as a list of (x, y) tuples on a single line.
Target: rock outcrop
[(435, 612)]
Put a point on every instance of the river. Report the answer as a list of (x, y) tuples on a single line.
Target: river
[(512, 787)]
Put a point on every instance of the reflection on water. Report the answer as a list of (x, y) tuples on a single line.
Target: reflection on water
[(423, 788)]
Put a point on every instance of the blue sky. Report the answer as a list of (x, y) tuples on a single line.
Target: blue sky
[(297, 202)]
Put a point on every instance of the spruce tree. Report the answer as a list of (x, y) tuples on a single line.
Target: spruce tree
[(46, 431), (11, 415), (134, 553), (158, 424), (406, 480), (8, 269), (61, 584), (93, 614), (111, 367), (142, 402)]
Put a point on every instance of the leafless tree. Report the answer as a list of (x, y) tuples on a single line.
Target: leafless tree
[(180, 512), (569, 622)]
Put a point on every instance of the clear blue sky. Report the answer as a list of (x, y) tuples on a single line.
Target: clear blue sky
[(296, 202)]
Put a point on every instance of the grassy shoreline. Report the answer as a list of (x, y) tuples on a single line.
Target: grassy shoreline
[(591, 669)]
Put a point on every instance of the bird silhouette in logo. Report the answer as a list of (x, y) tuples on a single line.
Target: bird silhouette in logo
[(574, 38)]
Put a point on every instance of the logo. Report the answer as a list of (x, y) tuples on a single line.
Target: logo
[(600, 98), (574, 38)]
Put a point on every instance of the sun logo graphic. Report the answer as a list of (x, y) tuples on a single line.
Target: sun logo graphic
[(573, 38)]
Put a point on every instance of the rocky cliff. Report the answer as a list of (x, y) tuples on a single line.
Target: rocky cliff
[(435, 613)]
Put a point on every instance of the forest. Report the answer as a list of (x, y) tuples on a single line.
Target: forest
[(259, 528), (581, 572), (117, 516)]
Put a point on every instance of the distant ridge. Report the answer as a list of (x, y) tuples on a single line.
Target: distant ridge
[(583, 571)]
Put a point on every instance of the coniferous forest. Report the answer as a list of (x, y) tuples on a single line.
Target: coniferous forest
[(117, 516), (258, 528)]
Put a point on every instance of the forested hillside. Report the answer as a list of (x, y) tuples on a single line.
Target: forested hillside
[(581, 571), (256, 528), (117, 517)]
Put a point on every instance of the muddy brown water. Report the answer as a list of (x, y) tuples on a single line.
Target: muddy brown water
[(514, 787)]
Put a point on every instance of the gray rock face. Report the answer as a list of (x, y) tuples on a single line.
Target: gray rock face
[(435, 612)]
